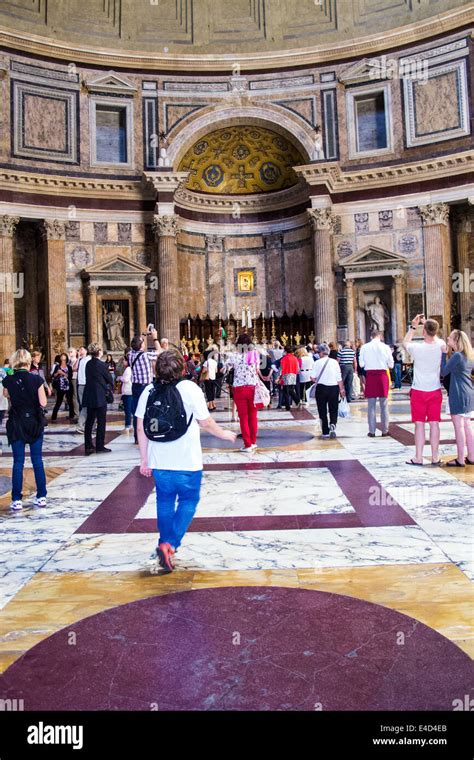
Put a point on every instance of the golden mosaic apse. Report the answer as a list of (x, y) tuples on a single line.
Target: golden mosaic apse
[(237, 160)]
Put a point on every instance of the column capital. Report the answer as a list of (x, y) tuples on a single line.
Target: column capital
[(142, 290), (53, 229), (215, 243), (434, 213), (464, 220), (166, 225), (8, 224), (321, 219), (92, 288)]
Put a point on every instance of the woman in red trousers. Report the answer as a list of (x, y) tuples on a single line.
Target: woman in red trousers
[(245, 362)]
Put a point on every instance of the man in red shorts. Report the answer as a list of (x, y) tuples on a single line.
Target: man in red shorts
[(425, 394)]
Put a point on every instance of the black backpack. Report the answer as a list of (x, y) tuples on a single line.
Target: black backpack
[(165, 415)]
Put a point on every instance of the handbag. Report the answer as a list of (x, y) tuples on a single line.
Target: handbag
[(261, 396), (343, 409), (312, 390), (204, 373), (109, 396), (356, 386)]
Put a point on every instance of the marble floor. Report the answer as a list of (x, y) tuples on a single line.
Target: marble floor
[(345, 545)]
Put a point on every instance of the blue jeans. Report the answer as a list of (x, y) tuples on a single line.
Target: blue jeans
[(177, 496), (127, 408), (397, 375), (18, 449)]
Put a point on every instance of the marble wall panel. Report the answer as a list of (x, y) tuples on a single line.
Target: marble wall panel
[(299, 279), (192, 283)]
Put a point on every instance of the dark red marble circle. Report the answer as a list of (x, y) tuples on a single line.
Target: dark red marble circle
[(247, 648)]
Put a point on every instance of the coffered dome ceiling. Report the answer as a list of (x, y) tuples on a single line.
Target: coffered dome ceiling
[(179, 31), (238, 160)]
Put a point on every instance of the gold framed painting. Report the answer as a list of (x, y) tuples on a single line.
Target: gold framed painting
[(245, 281)]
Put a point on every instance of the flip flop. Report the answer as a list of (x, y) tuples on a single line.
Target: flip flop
[(454, 463), (439, 463), (468, 461), (416, 464)]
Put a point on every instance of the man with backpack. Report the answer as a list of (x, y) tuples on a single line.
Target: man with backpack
[(169, 413)]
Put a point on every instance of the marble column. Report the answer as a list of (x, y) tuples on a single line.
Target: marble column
[(351, 326), (274, 273), (462, 279), (141, 311), (325, 300), (216, 291), (436, 246), (54, 236), (7, 282), (92, 321), (400, 312), (166, 230)]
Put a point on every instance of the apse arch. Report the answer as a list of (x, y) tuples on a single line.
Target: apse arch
[(276, 118)]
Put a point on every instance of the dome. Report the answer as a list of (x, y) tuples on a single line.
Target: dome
[(240, 159), (218, 34)]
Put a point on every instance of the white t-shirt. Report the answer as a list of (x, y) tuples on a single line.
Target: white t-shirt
[(127, 382), (306, 369), (81, 369), (185, 453), (427, 362), (375, 355), (211, 366), (332, 373)]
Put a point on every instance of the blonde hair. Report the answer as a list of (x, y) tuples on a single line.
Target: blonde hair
[(464, 344), (301, 352), (21, 359)]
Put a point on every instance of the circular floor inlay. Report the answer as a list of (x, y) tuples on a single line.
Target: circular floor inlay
[(266, 439), (247, 648)]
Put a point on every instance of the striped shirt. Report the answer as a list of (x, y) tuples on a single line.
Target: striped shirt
[(142, 370), (346, 355)]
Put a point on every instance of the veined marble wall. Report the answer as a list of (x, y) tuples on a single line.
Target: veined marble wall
[(51, 106), (281, 263)]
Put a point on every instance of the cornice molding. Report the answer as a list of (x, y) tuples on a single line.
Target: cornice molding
[(338, 180), (355, 47), (328, 174), (51, 184), (242, 204)]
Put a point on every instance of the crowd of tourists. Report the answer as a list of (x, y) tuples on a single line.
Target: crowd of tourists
[(168, 395)]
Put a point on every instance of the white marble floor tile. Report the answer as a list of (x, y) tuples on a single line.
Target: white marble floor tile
[(253, 550), (266, 492)]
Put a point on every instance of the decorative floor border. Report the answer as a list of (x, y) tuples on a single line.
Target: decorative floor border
[(118, 512)]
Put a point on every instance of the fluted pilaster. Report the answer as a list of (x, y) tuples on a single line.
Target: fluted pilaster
[(7, 290), (166, 229), (325, 319), (435, 219), (53, 233)]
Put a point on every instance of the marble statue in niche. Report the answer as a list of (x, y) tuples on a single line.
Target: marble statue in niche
[(378, 314), (114, 323), (318, 151), (163, 159)]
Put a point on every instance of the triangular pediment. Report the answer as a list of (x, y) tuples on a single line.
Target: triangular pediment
[(111, 82), (118, 265), (367, 70), (371, 255)]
